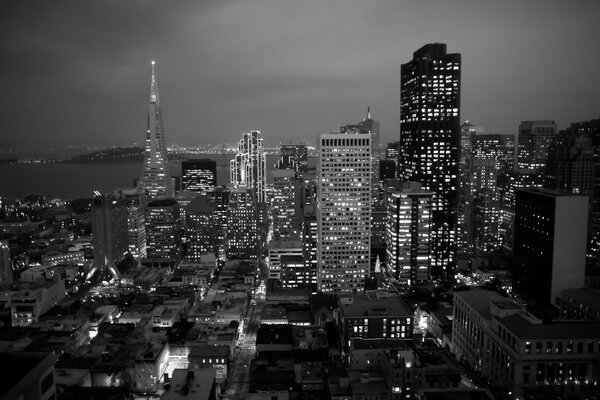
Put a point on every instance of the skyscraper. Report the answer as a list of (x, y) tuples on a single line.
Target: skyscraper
[(248, 167), (549, 244), (294, 156), (429, 142), (369, 125), (284, 196), (533, 142), (242, 233), (163, 233), (199, 175), (156, 182), (408, 233), (344, 211), (574, 167), (110, 234)]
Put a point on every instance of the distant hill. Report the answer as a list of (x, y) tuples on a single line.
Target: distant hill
[(116, 154)]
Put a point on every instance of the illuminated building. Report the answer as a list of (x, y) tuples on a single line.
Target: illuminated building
[(533, 141), (248, 167), (284, 202), (486, 206), (294, 272), (549, 243), (198, 175), (408, 233), (391, 151), (293, 156), (110, 234), (370, 126), (309, 242), (6, 274), (221, 195), (242, 233), (344, 211), (282, 247), (515, 351), (374, 316), (136, 230), (156, 182), (201, 228), (163, 237), (183, 199), (574, 167), (429, 142)]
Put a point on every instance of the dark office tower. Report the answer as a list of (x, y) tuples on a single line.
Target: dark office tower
[(408, 233), (534, 138), (156, 182), (163, 233), (198, 175), (387, 169), (201, 228), (248, 167), (136, 229), (549, 243), (242, 233), (293, 156), (110, 234), (221, 196), (6, 274), (429, 142), (370, 126), (464, 226), (284, 196), (574, 167)]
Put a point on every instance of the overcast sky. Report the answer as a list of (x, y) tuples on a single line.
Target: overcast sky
[(79, 71)]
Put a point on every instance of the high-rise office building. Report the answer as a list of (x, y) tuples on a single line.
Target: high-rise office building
[(464, 224), (248, 167), (110, 234), (284, 203), (344, 211), (429, 142), (533, 142), (6, 274), (163, 233), (198, 175), (201, 228), (136, 229), (574, 167), (370, 126), (309, 242), (156, 182), (242, 233), (408, 233), (549, 243), (221, 196)]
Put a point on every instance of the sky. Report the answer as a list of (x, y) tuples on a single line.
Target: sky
[(77, 71)]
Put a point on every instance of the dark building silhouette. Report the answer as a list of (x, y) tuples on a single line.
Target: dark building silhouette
[(429, 142), (549, 243)]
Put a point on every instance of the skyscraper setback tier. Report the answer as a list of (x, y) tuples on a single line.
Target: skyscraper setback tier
[(429, 142), (344, 211), (156, 182), (248, 167)]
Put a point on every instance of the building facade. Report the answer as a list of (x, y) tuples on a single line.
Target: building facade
[(549, 243), (163, 232), (248, 167), (429, 142), (408, 234), (198, 175), (344, 211), (156, 181)]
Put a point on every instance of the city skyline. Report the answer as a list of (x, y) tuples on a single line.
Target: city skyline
[(229, 68)]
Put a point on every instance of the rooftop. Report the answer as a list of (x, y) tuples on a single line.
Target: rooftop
[(524, 329), (363, 305)]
